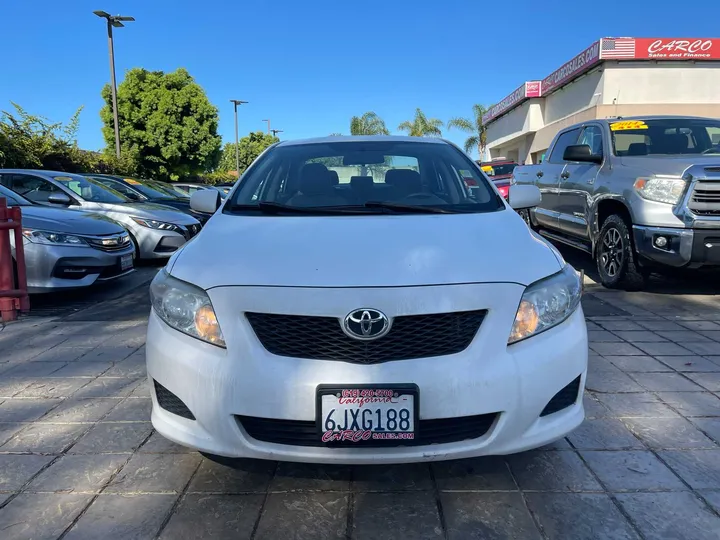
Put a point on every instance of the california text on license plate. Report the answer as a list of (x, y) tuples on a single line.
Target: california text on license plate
[(126, 262), (371, 414)]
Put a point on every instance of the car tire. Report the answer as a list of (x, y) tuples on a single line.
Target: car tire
[(525, 215), (615, 256)]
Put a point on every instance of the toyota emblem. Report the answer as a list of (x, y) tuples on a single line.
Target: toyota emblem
[(366, 324)]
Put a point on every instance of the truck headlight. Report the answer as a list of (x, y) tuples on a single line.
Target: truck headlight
[(663, 189), (52, 238), (185, 308), (546, 303)]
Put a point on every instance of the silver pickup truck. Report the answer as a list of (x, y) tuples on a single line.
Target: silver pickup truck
[(640, 194)]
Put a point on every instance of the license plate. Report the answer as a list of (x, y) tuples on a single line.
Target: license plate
[(367, 415), (126, 262)]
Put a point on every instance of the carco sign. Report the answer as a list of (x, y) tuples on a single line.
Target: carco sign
[(529, 89), (580, 64), (677, 48)]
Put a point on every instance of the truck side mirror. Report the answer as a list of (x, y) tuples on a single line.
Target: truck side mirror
[(581, 153)]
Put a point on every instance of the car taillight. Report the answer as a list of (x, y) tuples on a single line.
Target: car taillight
[(504, 191)]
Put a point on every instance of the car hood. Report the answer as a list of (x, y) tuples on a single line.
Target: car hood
[(68, 221), (148, 210), (668, 165), (364, 251)]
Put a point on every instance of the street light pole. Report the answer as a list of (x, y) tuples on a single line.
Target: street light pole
[(268, 122), (117, 22), (276, 131), (237, 102)]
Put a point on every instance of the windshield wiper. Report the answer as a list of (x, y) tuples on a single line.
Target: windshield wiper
[(409, 208), (277, 208)]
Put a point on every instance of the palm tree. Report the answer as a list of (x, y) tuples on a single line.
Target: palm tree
[(478, 139), (422, 126), (368, 124)]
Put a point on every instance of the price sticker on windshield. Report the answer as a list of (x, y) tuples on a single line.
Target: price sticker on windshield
[(628, 124), (132, 182)]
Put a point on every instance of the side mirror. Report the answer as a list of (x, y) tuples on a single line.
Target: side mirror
[(132, 195), (59, 198), (582, 153), (206, 201), (522, 196)]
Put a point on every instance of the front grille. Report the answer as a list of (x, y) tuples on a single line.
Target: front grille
[(322, 338), (305, 433), (109, 243), (171, 403), (705, 200), (192, 231), (563, 399)]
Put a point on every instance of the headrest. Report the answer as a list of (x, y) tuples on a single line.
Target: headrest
[(315, 179), (361, 182), (334, 177), (406, 180), (637, 149)]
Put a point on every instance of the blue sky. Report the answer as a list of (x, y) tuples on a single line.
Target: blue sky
[(310, 66)]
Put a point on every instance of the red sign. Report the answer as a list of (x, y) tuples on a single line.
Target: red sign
[(529, 89), (578, 65), (532, 89), (677, 48)]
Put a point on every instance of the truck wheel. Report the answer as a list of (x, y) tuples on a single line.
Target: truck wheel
[(615, 257), (525, 215)]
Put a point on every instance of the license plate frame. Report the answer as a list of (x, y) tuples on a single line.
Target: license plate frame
[(400, 389), (126, 262)]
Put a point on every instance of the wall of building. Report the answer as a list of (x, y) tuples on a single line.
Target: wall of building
[(578, 95)]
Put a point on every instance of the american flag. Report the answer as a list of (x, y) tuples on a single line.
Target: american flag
[(617, 48)]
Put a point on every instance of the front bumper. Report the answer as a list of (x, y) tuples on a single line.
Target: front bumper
[(514, 383), (685, 248), (53, 268), (158, 244)]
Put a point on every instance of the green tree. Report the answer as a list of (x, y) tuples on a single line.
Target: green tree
[(478, 131), (422, 126), (249, 147), (368, 124), (168, 127)]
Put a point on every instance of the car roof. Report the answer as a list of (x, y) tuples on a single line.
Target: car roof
[(653, 117), (43, 172), (362, 138)]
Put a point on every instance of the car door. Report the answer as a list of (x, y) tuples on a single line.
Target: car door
[(576, 186), (548, 180)]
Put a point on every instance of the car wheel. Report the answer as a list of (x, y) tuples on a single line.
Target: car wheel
[(525, 215), (616, 258)]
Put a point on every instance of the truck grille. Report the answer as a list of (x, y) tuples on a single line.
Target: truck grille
[(705, 200), (322, 338)]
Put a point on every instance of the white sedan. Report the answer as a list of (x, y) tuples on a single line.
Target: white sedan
[(355, 301)]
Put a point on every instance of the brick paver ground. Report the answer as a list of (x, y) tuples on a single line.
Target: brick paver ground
[(79, 458)]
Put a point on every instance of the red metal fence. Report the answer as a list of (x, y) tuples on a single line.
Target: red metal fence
[(13, 296)]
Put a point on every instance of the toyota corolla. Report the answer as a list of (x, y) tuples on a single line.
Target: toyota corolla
[(333, 311)]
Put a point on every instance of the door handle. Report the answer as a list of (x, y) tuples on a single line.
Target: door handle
[(565, 175), (539, 174)]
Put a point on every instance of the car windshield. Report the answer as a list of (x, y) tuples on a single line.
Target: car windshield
[(666, 136), (153, 189), (499, 170), (365, 176), (13, 199), (91, 190)]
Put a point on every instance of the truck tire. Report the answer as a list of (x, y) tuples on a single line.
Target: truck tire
[(616, 258)]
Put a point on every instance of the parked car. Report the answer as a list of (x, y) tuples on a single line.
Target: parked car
[(188, 189), (499, 170), (155, 230), (639, 194), (149, 191), (359, 323), (66, 249)]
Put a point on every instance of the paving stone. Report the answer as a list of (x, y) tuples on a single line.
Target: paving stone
[(53, 388), (705, 348), (615, 349), (689, 363), (620, 325), (214, 517), (671, 515), (711, 426), (551, 471), (142, 390), (640, 336), (487, 516), (602, 336), (62, 354), (640, 364), (692, 403), (44, 438), (107, 354), (25, 410), (79, 410), (664, 349), (638, 404), (477, 474), (157, 444), (666, 382), (83, 369), (710, 334), (8, 430), (11, 387), (31, 370), (611, 380), (709, 381), (15, 470), (123, 517), (304, 516), (684, 336), (36, 515), (603, 434), (133, 367), (86, 340), (593, 407), (700, 325), (22, 354), (378, 516), (631, 470), (113, 437), (713, 498), (579, 516), (295, 476), (155, 473), (661, 326), (699, 468), (108, 387), (131, 409), (668, 433), (411, 477), (79, 473), (42, 340), (243, 476)]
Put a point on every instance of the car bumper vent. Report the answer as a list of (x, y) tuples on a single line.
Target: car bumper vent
[(305, 433), (563, 399), (171, 403)]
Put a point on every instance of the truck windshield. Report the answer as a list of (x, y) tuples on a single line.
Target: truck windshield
[(666, 136)]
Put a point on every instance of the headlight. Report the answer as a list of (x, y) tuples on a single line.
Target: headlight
[(51, 238), (547, 303), (186, 308), (154, 224), (660, 189)]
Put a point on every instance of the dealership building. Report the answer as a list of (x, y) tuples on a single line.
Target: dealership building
[(613, 77)]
